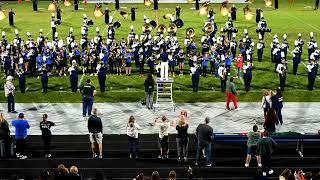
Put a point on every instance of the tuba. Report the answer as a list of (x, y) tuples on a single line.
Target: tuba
[(162, 29), (208, 28), (190, 32), (147, 27), (172, 28)]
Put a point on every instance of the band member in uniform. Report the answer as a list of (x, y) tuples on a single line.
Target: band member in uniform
[(73, 71), (181, 58), (233, 45), (296, 59), (53, 26), (58, 13), (11, 13), (22, 80), (164, 64), (195, 77), (312, 45), (211, 13), (234, 13), (102, 76), (276, 4), (178, 10), (311, 75), (133, 14), (258, 15), (299, 42), (76, 4), (282, 70), (106, 16), (260, 47), (247, 76), (222, 71), (35, 5), (44, 79), (285, 46)]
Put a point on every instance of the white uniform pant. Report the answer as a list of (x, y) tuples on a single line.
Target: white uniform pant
[(164, 70)]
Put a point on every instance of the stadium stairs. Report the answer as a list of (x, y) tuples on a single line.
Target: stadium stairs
[(229, 159)]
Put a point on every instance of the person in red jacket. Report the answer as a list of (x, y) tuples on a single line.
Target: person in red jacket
[(239, 64)]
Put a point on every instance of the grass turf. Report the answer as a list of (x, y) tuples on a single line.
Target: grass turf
[(292, 19)]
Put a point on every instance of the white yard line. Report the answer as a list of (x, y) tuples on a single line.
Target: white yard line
[(304, 22)]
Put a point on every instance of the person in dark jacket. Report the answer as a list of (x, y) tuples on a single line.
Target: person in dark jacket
[(204, 134), (11, 22), (102, 76), (62, 173), (45, 127), (271, 120), (96, 132), (149, 88), (265, 148), (182, 139), (277, 104), (4, 135)]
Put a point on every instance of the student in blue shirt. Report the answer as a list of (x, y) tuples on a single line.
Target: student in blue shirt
[(21, 125), (205, 61), (127, 58), (44, 80)]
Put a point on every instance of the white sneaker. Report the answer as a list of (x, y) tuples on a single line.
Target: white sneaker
[(260, 165), (271, 171), (48, 155), (23, 157), (264, 174), (246, 165)]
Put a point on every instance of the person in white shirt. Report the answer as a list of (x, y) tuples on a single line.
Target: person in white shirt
[(266, 101), (53, 26), (163, 124), (133, 136), (8, 92), (222, 71)]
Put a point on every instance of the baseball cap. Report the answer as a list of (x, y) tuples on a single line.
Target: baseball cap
[(21, 115)]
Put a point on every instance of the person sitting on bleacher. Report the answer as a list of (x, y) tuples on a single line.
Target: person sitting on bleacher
[(62, 173), (74, 174)]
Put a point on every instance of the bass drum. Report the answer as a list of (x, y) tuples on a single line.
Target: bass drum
[(179, 23)]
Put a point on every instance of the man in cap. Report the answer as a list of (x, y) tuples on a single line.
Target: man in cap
[(8, 92), (21, 125)]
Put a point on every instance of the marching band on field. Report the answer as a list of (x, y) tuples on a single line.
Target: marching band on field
[(161, 53)]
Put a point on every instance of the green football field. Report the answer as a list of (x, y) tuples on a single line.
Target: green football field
[(298, 17)]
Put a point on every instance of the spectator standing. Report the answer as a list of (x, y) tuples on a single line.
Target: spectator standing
[(88, 92), (182, 139), (265, 148), (163, 126), (271, 120), (253, 138), (4, 135), (8, 92), (133, 137), (149, 88), (277, 104), (266, 101), (21, 125), (231, 93), (45, 127), (95, 133), (204, 134)]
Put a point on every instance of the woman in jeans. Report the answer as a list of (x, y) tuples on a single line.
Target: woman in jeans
[(133, 139), (182, 139), (253, 138), (149, 88)]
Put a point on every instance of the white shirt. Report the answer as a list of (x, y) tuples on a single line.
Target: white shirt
[(134, 130), (222, 71), (264, 100), (163, 128), (310, 66), (53, 24)]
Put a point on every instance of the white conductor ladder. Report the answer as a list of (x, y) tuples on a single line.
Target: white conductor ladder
[(164, 99)]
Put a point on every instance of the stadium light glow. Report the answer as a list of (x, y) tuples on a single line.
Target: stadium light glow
[(52, 7), (67, 3)]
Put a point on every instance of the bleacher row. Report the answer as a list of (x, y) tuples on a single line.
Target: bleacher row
[(229, 153)]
